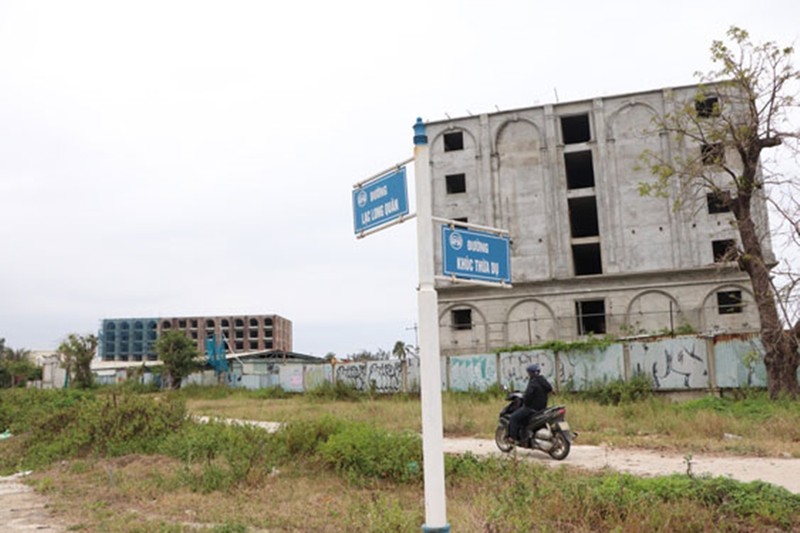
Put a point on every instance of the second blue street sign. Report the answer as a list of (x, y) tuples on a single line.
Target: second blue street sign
[(469, 254)]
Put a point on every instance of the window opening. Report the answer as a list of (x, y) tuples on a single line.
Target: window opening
[(707, 107), (591, 316), (718, 202), (456, 183), (579, 169), (575, 129), (712, 154), (461, 318), (724, 250), (254, 345), (583, 217), (586, 259), (453, 141), (729, 302)]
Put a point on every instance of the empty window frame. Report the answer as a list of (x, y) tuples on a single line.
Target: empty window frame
[(453, 141), (461, 318), (729, 302), (456, 183), (583, 217), (579, 169), (724, 250), (465, 220), (575, 129), (712, 153), (707, 107), (718, 202), (586, 259), (591, 316)]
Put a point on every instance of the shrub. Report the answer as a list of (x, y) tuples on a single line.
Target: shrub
[(304, 438), (100, 425), (364, 451), (619, 391), (339, 391)]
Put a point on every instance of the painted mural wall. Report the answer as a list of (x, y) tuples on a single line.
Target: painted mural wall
[(472, 372), (673, 363), (581, 370), (740, 363)]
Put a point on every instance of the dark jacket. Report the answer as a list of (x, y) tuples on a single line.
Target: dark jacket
[(536, 393)]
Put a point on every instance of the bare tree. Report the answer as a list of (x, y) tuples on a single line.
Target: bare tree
[(742, 108)]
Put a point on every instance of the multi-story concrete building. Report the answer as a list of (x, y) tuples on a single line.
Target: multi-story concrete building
[(589, 253), (132, 339)]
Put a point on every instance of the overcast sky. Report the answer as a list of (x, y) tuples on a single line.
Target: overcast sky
[(165, 158)]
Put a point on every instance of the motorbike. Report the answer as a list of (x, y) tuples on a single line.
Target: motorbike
[(547, 430)]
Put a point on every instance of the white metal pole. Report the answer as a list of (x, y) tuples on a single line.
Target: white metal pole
[(430, 369)]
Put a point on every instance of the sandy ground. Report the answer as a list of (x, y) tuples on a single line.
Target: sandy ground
[(21, 509)]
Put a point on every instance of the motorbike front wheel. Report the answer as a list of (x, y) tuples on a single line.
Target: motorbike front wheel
[(560, 449), (500, 438)]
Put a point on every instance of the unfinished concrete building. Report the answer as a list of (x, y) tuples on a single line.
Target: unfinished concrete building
[(589, 253), (132, 339)]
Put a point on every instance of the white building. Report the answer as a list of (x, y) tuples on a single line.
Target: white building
[(589, 253)]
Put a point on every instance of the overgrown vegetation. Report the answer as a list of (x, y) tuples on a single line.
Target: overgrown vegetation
[(86, 446), (618, 391), (588, 344)]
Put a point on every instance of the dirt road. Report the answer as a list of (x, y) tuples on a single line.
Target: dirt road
[(21, 509), (778, 471)]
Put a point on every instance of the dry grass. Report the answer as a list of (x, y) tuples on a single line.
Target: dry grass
[(139, 493), (654, 424)]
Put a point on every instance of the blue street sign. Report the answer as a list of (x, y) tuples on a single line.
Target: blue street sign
[(470, 254), (380, 201)]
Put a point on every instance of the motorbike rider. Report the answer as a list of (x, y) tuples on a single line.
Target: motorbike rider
[(534, 400)]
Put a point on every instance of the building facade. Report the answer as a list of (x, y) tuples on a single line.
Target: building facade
[(589, 253), (132, 339)]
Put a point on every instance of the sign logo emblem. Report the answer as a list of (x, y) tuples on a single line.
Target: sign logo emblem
[(361, 198), (456, 241)]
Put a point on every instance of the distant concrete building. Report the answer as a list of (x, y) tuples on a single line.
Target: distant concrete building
[(589, 254), (132, 339)]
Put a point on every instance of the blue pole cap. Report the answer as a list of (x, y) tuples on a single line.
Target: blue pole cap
[(419, 132)]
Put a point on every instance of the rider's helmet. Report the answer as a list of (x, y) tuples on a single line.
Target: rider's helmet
[(533, 369)]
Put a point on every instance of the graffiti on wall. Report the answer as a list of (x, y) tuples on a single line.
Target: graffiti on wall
[(472, 372), (412, 375), (740, 362), (680, 363), (291, 378), (353, 374), (512, 367), (316, 375), (385, 376), (580, 370)]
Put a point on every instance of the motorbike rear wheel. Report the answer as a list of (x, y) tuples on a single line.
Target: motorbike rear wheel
[(561, 446), (501, 439)]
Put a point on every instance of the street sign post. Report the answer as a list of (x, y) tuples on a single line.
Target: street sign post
[(475, 255), (380, 201)]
